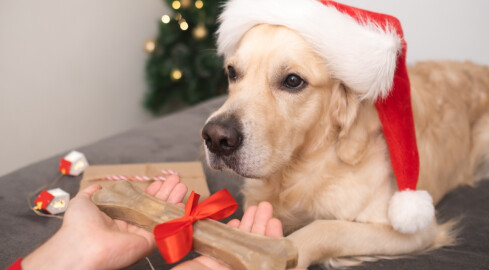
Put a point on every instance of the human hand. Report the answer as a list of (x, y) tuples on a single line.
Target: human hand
[(89, 239)]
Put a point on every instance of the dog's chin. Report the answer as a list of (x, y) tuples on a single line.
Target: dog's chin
[(231, 163)]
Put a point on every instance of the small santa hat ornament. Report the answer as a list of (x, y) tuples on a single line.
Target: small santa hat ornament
[(73, 164), (53, 201), (367, 52)]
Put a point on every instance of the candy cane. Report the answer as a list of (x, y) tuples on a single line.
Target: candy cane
[(133, 178), (141, 177), (117, 178), (168, 172)]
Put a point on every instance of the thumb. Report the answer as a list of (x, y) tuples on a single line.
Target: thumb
[(88, 191)]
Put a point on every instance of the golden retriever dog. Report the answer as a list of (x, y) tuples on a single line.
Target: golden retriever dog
[(314, 149)]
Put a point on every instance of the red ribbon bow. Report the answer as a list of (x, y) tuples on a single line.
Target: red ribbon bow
[(174, 238)]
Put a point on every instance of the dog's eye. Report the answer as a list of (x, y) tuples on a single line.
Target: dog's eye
[(294, 82), (232, 73)]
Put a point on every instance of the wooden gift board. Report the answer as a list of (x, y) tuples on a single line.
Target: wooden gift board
[(191, 174)]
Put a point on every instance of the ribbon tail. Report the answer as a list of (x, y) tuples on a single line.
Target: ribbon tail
[(174, 240), (192, 202)]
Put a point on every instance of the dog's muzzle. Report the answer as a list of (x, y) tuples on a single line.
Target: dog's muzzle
[(223, 135)]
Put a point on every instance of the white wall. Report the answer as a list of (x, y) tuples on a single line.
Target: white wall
[(71, 72), (439, 29)]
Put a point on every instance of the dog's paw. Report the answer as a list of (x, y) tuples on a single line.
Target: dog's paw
[(301, 240)]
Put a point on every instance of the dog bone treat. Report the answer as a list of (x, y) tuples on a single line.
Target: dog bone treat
[(240, 250)]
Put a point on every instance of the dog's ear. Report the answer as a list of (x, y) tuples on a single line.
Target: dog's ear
[(352, 134)]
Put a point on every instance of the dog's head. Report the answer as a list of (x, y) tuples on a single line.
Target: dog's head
[(282, 99)]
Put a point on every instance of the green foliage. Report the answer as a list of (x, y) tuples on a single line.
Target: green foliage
[(178, 50)]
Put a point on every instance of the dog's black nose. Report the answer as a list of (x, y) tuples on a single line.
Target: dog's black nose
[(222, 136)]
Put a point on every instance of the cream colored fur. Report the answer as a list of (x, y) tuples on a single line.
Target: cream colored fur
[(319, 155)]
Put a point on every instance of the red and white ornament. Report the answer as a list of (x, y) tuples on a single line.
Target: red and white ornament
[(73, 164), (53, 201)]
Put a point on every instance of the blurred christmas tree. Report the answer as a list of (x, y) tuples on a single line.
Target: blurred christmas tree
[(183, 67)]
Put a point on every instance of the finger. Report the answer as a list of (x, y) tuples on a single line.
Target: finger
[(88, 191), (262, 216), (121, 225), (167, 187), (234, 223), (181, 205), (248, 218), (153, 188), (274, 228), (174, 177), (204, 262), (178, 193)]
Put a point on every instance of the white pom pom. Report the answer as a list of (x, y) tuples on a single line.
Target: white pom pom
[(411, 210)]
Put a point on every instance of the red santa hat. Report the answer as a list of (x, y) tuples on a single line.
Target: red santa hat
[(367, 52)]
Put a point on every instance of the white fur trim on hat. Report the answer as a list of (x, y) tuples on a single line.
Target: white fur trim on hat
[(411, 210), (363, 56)]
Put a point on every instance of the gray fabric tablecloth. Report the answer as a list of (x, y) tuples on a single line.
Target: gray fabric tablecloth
[(177, 138)]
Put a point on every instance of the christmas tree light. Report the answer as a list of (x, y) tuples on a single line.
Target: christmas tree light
[(165, 19)]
